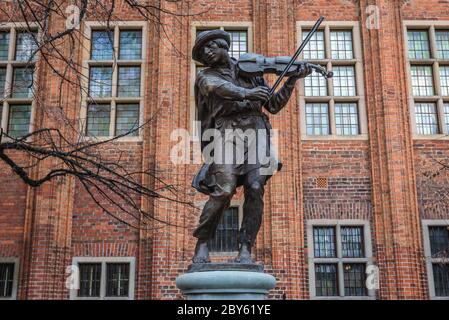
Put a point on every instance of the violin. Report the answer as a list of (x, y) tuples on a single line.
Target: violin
[(253, 65)]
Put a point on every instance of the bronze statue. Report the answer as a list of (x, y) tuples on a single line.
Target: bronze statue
[(230, 95)]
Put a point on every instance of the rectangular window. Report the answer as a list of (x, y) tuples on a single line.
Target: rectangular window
[(426, 118), (418, 44), (115, 83), (352, 242), (324, 242), (225, 239), (26, 46), (239, 43), (102, 45), (117, 278), (314, 50), (17, 79), (422, 80), (428, 51), (23, 82), (6, 280), (339, 253), (317, 118), (441, 279), (98, 120), (354, 279), (346, 119), (4, 45), (129, 82), (333, 48), (444, 80), (130, 45), (436, 247), (104, 278), (19, 120), (442, 39), (439, 240), (90, 279), (326, 280), (315, 86), (100, 82), (127, 119), (341, 45), (344, 81)]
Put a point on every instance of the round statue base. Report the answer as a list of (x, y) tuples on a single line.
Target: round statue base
[(225, 281)]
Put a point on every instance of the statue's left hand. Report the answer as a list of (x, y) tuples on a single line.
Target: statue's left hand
[(302, 71)]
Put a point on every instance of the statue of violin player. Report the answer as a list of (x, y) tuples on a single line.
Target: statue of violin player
[(230, 95)]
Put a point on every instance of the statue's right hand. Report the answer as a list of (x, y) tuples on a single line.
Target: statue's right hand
[(258, 93)]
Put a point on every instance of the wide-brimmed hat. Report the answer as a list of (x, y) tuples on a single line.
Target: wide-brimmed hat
[(205, 37)]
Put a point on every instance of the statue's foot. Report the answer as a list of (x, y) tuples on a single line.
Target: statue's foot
[(201, 253), (244, 255)]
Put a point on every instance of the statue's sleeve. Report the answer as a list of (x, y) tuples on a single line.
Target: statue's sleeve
[(208, 83), (280, 98)]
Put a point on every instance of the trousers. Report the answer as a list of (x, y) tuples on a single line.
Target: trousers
[(220, 199)]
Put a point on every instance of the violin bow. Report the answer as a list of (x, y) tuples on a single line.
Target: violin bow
[(297, 53)]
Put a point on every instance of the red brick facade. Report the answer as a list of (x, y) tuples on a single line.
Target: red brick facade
[(379, 180)]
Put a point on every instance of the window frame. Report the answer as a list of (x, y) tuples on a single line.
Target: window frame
[(115, 63), (195, 25), (7, 100), (434, 62), (331, 100), (15, 284), (103, 283), (426, 223), (234, 203), (339, 260)]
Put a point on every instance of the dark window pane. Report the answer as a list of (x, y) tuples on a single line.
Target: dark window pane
[(6, 279), (439, 240), (129, 82), (26, 46), (352, 242), (324, 242), (90, 277), (23, 82), (130, 45), (102, 45), (117, 277), (100, 82), (326, 280), (441, 279), (127, 119), (2, 82), (98, 120), (354, 278), (225, 239), (19, 120), (4, 45)]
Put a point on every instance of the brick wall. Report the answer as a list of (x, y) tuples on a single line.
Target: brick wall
[(379, 180)]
